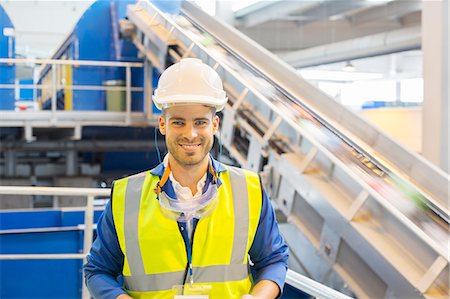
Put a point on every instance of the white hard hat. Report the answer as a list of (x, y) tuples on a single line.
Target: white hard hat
[(190, 81)]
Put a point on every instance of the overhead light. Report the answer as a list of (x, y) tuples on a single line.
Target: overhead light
[(348, 67)]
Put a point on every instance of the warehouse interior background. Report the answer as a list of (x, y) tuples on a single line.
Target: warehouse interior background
[(364, 54), (355, 160)]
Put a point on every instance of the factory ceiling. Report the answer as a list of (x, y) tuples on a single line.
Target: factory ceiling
[(284, 26)]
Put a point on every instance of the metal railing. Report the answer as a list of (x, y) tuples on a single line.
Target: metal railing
[(90, 193), (312, 287), (53, 116)]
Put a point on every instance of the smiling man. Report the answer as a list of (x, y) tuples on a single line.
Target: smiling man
[(191, 226)]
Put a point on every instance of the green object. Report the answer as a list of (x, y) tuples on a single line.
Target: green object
[(115, 99)]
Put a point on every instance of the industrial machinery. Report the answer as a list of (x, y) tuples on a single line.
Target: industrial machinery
[(361, 213), (96, 38)]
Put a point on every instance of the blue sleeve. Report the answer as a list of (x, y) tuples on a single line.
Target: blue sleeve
[(105, 260), (269, 253)]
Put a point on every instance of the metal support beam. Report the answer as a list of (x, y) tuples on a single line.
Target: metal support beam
[(431, 275), (10, 163), (71, 163), (54, 99), (77, 132), (357, 204), (128, 95), (435, 39), (148, 89)]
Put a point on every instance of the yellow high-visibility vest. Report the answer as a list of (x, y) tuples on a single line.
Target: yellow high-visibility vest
[(154, 250)]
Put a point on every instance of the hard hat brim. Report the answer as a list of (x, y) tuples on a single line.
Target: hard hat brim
[(165, 102)]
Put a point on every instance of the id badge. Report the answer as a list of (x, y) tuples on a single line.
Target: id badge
[(191, 292)]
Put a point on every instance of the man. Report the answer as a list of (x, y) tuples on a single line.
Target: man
[(190, 226)]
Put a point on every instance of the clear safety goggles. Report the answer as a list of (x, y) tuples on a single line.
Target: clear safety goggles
[(200, 206)]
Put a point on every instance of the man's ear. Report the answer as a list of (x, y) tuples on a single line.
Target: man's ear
[(162, 125), (215, 123)]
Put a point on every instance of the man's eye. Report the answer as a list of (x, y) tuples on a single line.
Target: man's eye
[(177, 123), (200, 123)]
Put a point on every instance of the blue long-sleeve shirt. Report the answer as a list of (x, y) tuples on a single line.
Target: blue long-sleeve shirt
[(269, 252)]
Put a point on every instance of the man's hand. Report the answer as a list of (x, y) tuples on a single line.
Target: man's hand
[(124, 296)]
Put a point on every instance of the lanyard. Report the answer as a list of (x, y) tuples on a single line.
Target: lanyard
[(185, 234)]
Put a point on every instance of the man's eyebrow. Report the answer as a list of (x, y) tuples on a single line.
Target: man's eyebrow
[(183, 118), (176, 118)]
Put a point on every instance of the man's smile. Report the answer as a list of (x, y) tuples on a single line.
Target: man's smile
[(190, 146)]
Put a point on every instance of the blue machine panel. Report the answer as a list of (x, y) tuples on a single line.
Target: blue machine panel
[(94, 40), (26, 94), (42, 219), (7, 72), (41, 278), (28, 279)]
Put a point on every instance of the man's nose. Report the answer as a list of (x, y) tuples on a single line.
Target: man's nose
[(190, 131)]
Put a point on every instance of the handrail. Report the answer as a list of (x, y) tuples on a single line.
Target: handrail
[(64, 191), (70, 62), (312, 287), (41, 256), (54, 86), (90, 193), (69, 87)]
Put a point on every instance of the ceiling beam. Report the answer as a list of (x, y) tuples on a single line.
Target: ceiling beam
[(368, 46), (333, 9), (391, 10), (271, 10)]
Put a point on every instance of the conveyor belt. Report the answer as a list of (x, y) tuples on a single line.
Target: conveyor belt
[(371, 210)]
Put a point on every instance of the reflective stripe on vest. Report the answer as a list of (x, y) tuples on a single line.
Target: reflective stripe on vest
[(137, 275), (131, 223), (165, 281)]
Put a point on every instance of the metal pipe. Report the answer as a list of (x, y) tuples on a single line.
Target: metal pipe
[(128, 95)]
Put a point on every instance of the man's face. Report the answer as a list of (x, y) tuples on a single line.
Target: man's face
[(189, 131)]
